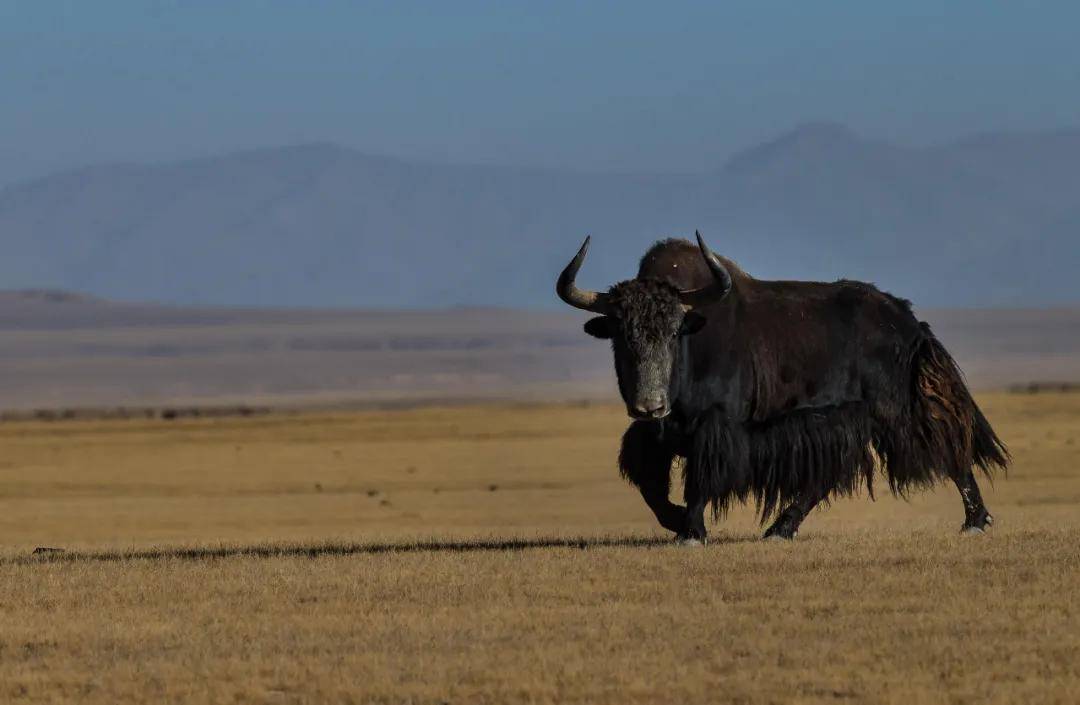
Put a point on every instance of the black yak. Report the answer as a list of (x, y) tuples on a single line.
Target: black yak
[(789, 392)]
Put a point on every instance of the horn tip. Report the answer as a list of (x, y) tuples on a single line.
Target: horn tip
[(584, 249)]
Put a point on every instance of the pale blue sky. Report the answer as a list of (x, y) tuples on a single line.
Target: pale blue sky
[(594, 85)]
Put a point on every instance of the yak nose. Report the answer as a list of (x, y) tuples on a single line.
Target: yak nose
[(649, 409)]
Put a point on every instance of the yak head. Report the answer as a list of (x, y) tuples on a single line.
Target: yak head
[(646, 321)]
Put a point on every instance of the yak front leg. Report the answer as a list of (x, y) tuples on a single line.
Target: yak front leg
[(976, 518), (696, 493), (694, 531), (645, 461)]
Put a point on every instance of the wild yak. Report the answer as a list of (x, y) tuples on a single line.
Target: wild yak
[(790, 392)]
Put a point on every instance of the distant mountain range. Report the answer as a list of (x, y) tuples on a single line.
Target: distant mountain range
[(987, 221)]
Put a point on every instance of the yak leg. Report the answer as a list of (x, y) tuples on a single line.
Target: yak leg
[(976, 518), (645, 461), (694, 531), (787, 524)]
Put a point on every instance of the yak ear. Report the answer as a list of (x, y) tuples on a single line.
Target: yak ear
[(602, 327), (691, 323)]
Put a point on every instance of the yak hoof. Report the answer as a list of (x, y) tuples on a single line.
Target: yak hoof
[(689, 541), (977, 526), (779, 537)]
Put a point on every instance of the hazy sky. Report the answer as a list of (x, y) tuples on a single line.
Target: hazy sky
[(594, 85)]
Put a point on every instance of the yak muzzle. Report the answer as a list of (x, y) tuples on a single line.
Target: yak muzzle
[(651, 409)]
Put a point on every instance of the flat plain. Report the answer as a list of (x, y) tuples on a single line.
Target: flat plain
[(491, 553), (64, 351)]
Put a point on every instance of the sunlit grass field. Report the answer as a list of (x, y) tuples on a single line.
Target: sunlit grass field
[(492, 554)]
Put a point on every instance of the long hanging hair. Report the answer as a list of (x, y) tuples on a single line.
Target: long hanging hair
[(930, 429)]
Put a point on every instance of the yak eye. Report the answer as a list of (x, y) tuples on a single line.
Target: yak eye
[(602, 327)]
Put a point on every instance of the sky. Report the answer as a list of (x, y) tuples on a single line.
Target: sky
[(611, 86)]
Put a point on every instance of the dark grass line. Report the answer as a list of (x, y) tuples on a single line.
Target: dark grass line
[(331, 549)]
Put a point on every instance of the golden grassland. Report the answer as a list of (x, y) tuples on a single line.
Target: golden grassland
[(491, 554)]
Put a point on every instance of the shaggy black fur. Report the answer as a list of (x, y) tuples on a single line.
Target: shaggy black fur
[(790, 394), (938, 434)]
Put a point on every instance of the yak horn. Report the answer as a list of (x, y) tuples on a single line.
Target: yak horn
[(580, 298), (696, 298)]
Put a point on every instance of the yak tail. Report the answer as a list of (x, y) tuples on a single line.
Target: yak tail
[(951, 435)]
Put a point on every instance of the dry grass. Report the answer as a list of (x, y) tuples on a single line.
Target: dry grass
[(493, 555)]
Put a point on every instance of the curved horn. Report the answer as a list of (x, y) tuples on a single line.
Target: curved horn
[(712, 293), (580, 298)]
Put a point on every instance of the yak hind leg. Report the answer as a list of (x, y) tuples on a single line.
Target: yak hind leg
[(976, 517), (786, 526), (645, 461)]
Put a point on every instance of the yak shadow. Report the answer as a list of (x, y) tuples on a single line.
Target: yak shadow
[(53, 555)]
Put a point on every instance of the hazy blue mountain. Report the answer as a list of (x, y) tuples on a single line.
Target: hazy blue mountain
[(992, 220)]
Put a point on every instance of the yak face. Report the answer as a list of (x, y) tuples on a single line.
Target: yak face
[(647, 321), (646, 325)]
